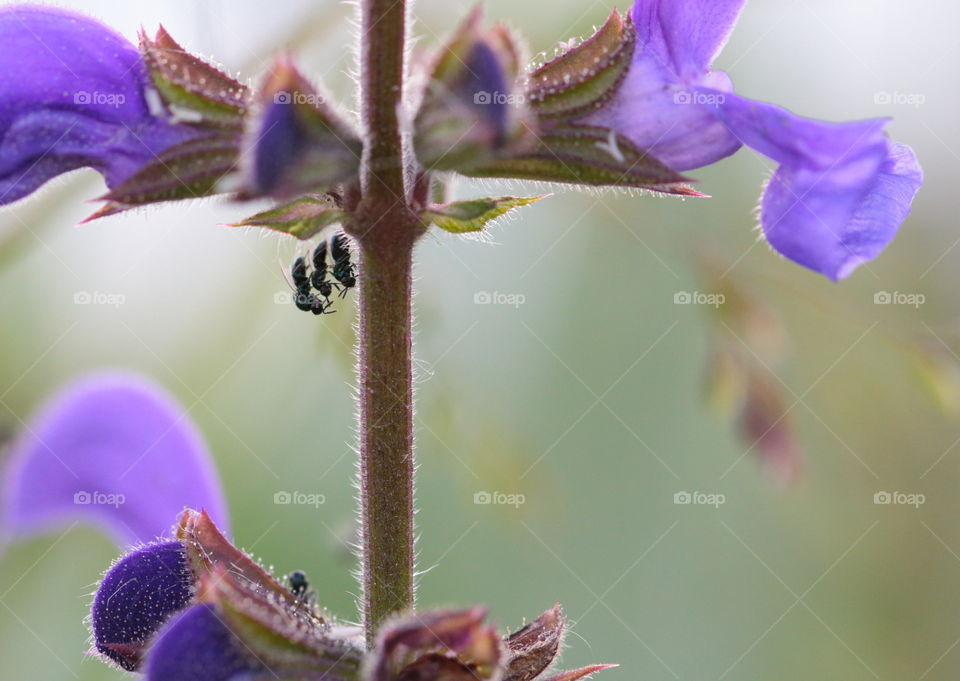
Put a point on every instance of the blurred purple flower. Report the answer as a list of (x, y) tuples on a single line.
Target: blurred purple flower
[(74, 94), (842, 189), (114, 450)]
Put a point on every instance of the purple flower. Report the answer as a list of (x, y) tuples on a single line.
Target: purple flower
[(842, 189), (114, 450), (74, 94)]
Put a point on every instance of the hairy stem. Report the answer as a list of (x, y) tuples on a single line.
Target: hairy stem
[(382, 72), (385, 228), (386, 425)]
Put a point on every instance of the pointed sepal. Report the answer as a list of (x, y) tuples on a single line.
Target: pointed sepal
[(284, 634), (533, 648), (304, 217), (195, 91), (581, 673), (473, 215), (208, 550), (190, 170), (587, 156), (583, 78)]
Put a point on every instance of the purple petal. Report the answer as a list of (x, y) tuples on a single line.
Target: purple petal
[(198, 646), (112, 449), (137, 595), (73, 94), (685, 35), (657, 106), (842, 189)]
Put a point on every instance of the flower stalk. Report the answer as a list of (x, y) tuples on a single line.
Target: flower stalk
[(385, 228), (385, 353)]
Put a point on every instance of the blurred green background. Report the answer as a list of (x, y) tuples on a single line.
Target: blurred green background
[(587, 398)]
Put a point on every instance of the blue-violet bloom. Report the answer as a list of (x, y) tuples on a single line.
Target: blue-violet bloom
[(841, 190), (74, 94)]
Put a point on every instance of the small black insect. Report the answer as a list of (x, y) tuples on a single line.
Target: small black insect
[(300, 588), (319, 277), (303, 298), (299, 584), (298, 272), (344, 271)]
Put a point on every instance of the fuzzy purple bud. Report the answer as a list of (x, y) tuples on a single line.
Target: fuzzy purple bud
[(136, 597)]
